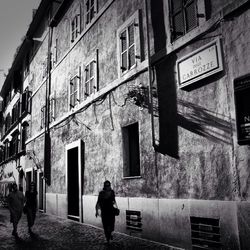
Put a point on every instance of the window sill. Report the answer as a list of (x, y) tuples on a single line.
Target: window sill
[(131, 177)]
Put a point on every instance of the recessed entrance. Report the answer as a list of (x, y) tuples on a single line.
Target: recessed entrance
[(74, 153), (41, 191), (73, 184)]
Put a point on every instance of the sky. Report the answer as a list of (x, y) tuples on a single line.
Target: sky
[(15, 17)]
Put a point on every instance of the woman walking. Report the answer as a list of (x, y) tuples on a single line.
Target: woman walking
[(106, 202), (15, 202), (31, 205)]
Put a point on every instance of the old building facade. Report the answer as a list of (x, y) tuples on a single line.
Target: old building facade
[(151, 95)]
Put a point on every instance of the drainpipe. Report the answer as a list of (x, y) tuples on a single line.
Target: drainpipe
[(47, 144), (151, 108)]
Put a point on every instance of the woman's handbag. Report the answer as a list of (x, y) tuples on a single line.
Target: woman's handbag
[(116, 211)]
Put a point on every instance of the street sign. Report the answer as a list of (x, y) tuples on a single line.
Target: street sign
[(242, 108), (200, 64)]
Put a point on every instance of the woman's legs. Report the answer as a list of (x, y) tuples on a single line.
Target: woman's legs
[(108, 226), (31, 215)]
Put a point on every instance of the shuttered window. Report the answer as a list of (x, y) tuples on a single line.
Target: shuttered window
[(91, 7), (75, 27), (127, 40), (90, 79), (183, 17)]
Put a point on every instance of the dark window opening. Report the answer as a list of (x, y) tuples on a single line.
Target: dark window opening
[(131, 150)]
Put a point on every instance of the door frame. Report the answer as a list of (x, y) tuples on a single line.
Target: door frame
[(76, 144)]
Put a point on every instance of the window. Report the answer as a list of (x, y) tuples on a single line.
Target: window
[(24, 135), (55, 53), (75, 27), (129, 44), (51, 114), (14, 144), (16, 112), (6, 149), (52, 102), (25, 102), (44, 69), (90, 79), (127, 48), (74, 90), (183, 17), (7, 122), (91, 9), (131, 151)]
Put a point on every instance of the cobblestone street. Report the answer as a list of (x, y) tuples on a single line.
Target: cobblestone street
[(56, 233)]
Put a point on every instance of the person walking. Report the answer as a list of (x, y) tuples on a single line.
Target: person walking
[(106, 203), (31, 205), (15, 202)]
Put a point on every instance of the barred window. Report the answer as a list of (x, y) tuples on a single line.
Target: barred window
[(183, 17)]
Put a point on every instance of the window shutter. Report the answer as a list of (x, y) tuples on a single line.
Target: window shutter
[(79, 84), (29, 102), (79, 17), (96, 73)]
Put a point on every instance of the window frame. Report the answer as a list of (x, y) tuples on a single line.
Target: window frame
[(136, 22)]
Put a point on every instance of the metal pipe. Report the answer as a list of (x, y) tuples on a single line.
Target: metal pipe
[(150, 78)]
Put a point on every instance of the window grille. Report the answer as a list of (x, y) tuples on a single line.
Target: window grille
[(133, 220), (183, 17), (205, 233)]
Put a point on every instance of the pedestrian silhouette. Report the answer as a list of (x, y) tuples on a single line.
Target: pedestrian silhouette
[(31, 206), (15, 202), (106, 203)]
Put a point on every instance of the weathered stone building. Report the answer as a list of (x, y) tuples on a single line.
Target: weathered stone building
[(175, 147)]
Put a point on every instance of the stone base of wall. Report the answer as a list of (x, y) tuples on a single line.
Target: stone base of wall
[(56, 204), (168, 220)]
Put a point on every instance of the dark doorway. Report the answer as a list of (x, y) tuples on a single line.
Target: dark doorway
[(28, 179), (40, 191), (73, 184)]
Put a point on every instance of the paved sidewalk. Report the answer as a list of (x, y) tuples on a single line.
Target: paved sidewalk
[(56, 233)]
